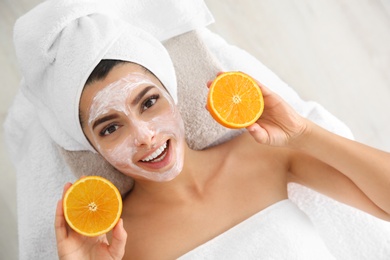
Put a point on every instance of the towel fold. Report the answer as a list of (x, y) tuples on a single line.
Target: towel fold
[(42, 170), (58, 56), (349, 233), (281, 231)]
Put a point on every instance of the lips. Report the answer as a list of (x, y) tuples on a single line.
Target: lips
[(158, 155)]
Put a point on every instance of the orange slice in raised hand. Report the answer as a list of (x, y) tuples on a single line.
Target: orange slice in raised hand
[(92, 206), (235, 100)]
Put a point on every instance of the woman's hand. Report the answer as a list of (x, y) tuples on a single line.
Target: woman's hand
[(71, 245), (279, 124)]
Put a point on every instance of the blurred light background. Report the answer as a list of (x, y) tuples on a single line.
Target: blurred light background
[(335, 52)]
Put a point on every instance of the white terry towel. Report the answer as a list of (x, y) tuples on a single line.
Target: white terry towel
[(197, 56), (32, 134), (280, 231), (349, 233), (57, 51)]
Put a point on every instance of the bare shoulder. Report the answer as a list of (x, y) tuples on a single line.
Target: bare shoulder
[(256, 166), (246, 149), (242, 174)]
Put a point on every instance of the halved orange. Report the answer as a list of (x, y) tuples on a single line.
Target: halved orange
[(235, 100), (92, 206)]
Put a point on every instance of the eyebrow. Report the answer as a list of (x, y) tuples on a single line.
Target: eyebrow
[(140, 95), (104, 119), (135, 102)]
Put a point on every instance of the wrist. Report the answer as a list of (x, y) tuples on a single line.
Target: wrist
[(300, 140)]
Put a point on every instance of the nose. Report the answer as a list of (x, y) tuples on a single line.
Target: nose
[(144, 135)]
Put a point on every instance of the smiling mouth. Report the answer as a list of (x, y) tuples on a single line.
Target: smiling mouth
[(157, 155)]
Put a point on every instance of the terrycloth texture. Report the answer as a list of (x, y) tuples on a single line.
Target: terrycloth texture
[(350, 234), (281, 231), (57, 51), (41, 170), (187, 51), (41, 175), (163, 19)]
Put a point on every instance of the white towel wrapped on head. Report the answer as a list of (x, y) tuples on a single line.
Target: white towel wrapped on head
[(57, 60), (33, 137), (42, 171)]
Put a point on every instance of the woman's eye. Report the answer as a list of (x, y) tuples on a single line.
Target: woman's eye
[(109, 130), (149, 102)]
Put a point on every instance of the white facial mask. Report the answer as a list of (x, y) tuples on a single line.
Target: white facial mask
[(142, 136)]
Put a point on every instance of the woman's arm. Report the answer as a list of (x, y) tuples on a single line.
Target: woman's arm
[(367, 168)]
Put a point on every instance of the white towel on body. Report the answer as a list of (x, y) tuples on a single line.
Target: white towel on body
[(33, 136), (349, 233), (280, 231), (42, 171)]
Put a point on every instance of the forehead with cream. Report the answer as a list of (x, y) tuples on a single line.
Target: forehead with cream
[(115, 96)]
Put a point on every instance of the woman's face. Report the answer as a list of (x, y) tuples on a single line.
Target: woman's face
[(134, 124)]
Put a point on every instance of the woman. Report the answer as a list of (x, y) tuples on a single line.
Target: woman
[(183, 198)]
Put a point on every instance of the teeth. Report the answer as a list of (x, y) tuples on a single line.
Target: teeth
[(156, 153)]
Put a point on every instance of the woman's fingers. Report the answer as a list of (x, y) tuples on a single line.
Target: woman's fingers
[(118, 242), (209, 83), (60, 226), (60, 223), (258, 133), (66, 187)]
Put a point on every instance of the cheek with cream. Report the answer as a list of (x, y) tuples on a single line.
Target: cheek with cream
[(130, 153)]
